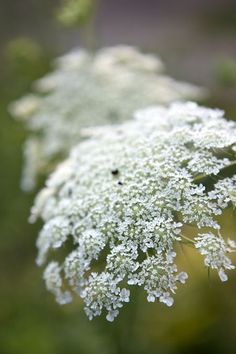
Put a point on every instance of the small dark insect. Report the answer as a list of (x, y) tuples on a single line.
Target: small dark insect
[(120, 183), (115, 172)]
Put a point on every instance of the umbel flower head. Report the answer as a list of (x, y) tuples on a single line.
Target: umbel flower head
[(119, 204), (85, 90)]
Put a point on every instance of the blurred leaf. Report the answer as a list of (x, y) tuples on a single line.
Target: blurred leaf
[(226, 72), (24, 61), (76, 12)]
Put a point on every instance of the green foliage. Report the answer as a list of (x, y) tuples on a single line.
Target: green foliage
[(226, 72), (76, 12), (24, 60)]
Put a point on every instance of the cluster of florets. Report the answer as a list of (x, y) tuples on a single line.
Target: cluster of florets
[(89, 89), (118, 206)]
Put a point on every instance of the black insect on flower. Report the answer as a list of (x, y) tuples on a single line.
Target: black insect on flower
[(115, 172)]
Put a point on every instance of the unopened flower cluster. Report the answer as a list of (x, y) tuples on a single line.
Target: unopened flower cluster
[(118, 206), (86, 90)]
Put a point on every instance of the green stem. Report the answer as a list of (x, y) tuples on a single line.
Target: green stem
[(187, 239), (88, 35), (89, 32)]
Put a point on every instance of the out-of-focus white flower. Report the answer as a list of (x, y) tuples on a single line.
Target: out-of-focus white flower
[(124, 199), (25, 107), (121, 57), (90, 89)]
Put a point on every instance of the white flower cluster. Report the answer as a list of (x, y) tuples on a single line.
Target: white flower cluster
[(214, 249), (86, 90), (115, 210)]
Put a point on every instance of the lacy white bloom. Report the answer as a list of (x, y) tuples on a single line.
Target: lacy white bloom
[(118, 205), (86, 90), (54, 283), (214, 248)]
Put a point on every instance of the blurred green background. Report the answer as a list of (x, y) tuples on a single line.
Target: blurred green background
[(197, 40)]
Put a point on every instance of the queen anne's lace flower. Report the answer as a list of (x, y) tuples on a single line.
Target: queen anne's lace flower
[(101, 291), (85, 90), (53, 281), (118, 205), (214, 248)]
